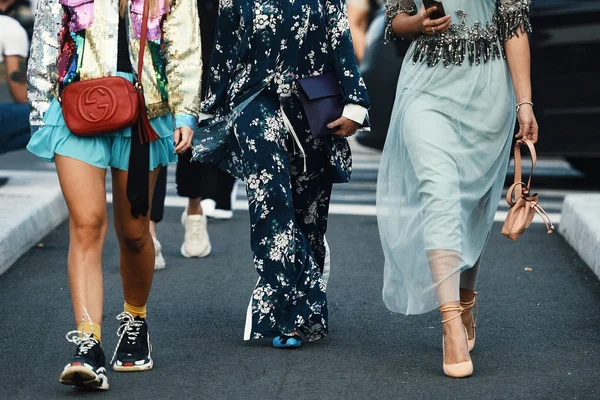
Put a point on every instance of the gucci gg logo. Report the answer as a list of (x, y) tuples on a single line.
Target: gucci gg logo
[(97, 104)]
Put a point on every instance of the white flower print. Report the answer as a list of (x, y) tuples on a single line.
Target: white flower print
[(284, 90), (225, 4), (251, 144), (261, 21), (319, 30)]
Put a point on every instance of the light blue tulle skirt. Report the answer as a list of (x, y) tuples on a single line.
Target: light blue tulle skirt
[(110, 150), (441, 177)]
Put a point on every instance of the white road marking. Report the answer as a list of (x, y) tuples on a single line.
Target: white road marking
[(336, 209)]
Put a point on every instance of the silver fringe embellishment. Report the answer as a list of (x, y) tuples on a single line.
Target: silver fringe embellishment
[(513, 19), (476, 42), (391, 10), (457, 43)]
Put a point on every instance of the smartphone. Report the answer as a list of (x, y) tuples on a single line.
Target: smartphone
[(439, 13)]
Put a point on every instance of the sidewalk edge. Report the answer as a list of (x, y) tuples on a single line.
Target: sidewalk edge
[(41, 218), (580, 226)]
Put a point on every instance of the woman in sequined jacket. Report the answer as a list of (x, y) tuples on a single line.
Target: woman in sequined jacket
[(76, 40), (260, 134), (464, 81)]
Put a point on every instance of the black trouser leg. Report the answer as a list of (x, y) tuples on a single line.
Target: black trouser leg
[(158, 198), (196, 179)]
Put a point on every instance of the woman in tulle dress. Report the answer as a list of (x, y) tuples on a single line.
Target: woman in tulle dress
[(464, 79)]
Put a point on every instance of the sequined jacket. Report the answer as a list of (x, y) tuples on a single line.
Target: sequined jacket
[(476, 41), (77, 40)]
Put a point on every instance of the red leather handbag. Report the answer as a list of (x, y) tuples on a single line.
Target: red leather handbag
[(109, 104)]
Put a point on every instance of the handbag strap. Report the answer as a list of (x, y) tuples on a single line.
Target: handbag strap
[(518, 187), (143, 40)]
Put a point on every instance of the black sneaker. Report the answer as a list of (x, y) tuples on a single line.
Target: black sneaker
[(133, 350), (87, 369)]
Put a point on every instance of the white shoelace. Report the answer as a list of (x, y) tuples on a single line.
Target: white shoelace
[(84, 341), (130, 327), (194, 229)]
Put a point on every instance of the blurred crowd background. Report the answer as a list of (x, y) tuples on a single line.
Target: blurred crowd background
[(565, 49)]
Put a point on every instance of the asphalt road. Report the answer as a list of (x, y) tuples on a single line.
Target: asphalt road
[(537, 336), (538, 331)]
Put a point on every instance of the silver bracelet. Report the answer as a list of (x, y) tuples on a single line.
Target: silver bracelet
[(523, 102)]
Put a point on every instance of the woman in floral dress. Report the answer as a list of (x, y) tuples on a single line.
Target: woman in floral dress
[(259, 133), (464, 80)]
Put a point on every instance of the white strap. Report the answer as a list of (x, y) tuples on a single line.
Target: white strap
[(290, 128)]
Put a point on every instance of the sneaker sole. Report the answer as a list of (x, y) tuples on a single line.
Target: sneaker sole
[(220, 217), (83, 378), (135, 368), (201, 255)]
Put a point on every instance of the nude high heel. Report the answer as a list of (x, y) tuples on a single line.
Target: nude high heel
[(468, 305), (459, 370)]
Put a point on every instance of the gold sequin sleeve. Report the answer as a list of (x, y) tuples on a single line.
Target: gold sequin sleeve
[(183, 59), (42, 74)]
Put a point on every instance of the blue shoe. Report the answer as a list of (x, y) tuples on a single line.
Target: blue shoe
[(287, 342)]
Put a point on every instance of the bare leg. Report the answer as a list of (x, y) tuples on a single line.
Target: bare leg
[(84, 189), (468, 281), (468, 278), (443, 265), (194, 207), (153, 229), (135, 242)]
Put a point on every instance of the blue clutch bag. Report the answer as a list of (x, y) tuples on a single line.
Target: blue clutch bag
[(322, 100)]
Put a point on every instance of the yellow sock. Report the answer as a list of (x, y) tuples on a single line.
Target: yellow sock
[(136, 311), (91, 328)]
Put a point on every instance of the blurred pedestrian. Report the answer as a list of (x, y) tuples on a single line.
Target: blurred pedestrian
[(445, 159), (360, 15), (75, 41), (260, 134), (14, 117), (207, 187), (20, 10)]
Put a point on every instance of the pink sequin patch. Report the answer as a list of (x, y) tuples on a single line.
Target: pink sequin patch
[(82, 13), (154, 30)]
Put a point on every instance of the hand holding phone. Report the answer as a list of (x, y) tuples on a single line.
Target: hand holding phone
[(439, 13)]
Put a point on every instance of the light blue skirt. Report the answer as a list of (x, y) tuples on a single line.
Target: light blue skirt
[(109, 150), (441, 176)]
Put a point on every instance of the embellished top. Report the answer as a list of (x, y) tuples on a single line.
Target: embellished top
[(476, 40), (78, 40)]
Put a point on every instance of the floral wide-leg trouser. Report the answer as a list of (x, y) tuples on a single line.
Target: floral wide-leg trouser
[(288, 216)]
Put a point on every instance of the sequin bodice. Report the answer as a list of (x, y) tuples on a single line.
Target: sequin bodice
[(476, 35)]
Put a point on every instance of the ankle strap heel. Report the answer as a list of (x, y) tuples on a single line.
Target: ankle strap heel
[(468, 305), (462, 369), (448, 308)]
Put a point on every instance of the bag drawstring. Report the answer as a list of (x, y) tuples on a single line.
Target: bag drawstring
[(545, 217)]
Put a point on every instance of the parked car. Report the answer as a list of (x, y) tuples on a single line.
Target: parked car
[(565, 46)]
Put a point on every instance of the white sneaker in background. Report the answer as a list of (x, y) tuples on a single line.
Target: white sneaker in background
[(222, 214), (159, 260), (209, 209), (196, 242)]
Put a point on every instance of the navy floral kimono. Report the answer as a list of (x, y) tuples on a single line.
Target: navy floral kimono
[(259, 133)]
